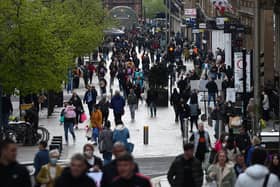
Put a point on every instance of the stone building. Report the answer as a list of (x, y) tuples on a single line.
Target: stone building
[(136, 5)]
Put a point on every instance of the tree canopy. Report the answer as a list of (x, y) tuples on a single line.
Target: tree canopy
[(40, 40), (152, 7)]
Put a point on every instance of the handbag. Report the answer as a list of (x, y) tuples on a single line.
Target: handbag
[(61, 119), (83, 117), (130, 147)]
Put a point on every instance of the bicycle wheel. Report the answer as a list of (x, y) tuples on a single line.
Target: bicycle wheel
[(42, 134)]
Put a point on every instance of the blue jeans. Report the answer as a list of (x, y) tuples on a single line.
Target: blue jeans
[(211, 95), (95, 134), (107, 156), (153, 109), (132, 109), (69, 126)]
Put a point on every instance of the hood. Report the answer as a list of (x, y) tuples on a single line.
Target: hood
[(257, 171), (120, 127)]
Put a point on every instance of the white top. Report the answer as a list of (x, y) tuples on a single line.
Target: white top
[(52, 172)]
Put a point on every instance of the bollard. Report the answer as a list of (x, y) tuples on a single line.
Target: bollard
[(146, 135), (186, 135)]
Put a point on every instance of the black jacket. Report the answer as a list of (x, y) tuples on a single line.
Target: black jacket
[(7, 106), (137, 180), (110, 173), (97, 162), (175, 174), (212, 87), (14, 175), (67, 180)]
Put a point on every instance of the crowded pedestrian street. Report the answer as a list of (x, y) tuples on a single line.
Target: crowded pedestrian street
[(144, 93)]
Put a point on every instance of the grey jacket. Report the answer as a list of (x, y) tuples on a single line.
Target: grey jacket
[(106, 135)]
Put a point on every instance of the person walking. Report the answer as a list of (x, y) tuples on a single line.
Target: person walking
[(12, 174), (106, 142), (174, 101), (104, 106), (110, 171), (51, 171), (184, 113), (274, 166), (126, 174), (194, 110), (151, 101), (222, 171), (121, 134), (132, 103), (41, 158), (258, 175), (185, 170), (7, 110), (212, 88), (69, 119), (79, 109), (202, 143), (265, 106), (76, 174), (117, 104), (96, 123), (94, 162), (90, 98)]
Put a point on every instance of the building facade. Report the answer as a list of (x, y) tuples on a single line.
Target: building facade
[(136, 5)]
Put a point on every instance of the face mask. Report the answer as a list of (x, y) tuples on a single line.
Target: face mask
[(53, 161), (88, 153)]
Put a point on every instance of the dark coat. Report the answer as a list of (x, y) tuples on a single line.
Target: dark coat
[(14, 175), (118, 103), (66, 179), (7, 106), (175, 174), (110, 173)]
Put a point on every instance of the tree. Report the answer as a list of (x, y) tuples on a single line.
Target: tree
[(152, 7), (38, 42)]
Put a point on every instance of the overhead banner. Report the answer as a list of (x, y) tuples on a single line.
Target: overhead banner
[(238, 72)]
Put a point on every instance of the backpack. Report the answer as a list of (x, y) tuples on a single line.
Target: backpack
[(69, 112)]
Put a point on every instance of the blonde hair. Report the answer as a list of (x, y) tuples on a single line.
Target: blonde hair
[(256, 140)]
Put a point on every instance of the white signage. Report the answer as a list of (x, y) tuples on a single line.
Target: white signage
[(238, 72), (202, 26), (190, 12), (231, 96)]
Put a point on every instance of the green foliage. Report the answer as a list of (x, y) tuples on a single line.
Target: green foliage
[(38, 42), (152, 7)]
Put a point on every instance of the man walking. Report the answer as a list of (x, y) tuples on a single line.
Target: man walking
[(212, 90), (185, 170), (202, 144), (132, 103), (117, 104), (12, 174), (90, 98)]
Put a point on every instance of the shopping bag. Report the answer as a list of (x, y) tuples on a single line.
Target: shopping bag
[(83, 117), (61, 119)]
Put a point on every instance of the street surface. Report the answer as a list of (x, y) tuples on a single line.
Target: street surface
[(154, 159)]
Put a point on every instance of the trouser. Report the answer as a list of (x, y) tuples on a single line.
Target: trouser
[(69, 126), (118, 117), (90, 107), (176, 113), (219, 128), (194, 121), (132, 109), (90, 76), (211, 95), (153, 109), (95, 134), (107, 157)]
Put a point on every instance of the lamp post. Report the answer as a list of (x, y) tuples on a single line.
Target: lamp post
[(256, 69)]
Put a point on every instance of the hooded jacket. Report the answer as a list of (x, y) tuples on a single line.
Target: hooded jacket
[(121, 134), (254, 176)]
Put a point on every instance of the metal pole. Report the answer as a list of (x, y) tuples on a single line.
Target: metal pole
[(169, 28), (256, 68), (1, 115), (146, 135), (186, 135), (244, 83)]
